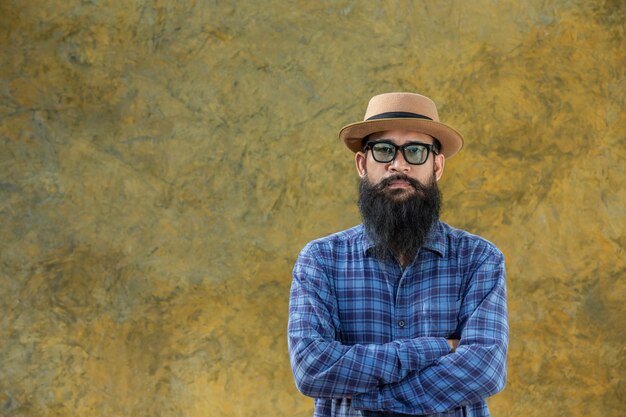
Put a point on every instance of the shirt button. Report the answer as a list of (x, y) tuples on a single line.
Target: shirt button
[(401, 323)]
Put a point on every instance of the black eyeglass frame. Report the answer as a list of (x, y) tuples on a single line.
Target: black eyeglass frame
[(434, 148)]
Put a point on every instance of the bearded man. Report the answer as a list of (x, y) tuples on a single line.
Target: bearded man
[(403, 314)]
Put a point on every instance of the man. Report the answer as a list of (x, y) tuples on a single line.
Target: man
[(402, 315)]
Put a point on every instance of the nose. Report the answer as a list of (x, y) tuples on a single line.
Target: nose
[(399, 164)]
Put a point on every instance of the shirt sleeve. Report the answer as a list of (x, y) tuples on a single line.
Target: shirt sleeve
[(475, 371), (325, 368)]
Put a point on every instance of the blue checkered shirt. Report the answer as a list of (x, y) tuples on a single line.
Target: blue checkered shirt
[(368, 338)]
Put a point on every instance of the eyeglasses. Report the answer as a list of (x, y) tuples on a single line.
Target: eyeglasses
[(415, 153)]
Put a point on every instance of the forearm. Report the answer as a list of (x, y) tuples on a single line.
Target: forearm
[(327, 369), (467, 376)]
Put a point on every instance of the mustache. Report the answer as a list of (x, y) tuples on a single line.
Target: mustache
[(400, 177)]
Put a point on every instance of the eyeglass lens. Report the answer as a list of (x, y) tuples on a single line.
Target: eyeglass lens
[(414, 153)]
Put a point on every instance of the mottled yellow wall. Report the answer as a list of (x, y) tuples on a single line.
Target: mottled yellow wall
[(162, 163)]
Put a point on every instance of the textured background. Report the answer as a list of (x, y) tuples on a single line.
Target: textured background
[(163, 162)]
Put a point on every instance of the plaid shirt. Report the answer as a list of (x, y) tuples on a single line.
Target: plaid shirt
[(367, 338)]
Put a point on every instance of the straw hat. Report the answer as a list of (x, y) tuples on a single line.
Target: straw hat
[(403, 111)]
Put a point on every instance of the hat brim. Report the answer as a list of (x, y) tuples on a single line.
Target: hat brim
[(451, 140)]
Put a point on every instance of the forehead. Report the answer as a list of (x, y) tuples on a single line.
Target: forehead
[(400, 137)]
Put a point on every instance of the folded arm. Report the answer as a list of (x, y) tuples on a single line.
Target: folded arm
[(476, 370)]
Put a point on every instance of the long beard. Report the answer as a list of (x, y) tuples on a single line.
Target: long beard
[(397, 224)]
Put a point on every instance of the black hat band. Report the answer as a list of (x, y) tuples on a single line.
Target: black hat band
[(398, 115)]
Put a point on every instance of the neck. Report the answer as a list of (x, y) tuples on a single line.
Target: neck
[(404, 259)]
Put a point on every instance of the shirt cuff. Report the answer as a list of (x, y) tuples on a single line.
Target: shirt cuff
[(416, 354)]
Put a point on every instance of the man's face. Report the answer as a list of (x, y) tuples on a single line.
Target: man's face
[(399, 201), (375, 171)]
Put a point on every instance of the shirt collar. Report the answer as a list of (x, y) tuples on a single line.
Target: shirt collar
[(366, 241), (435, 241)]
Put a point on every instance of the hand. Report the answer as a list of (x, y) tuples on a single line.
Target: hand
[(454, 343)]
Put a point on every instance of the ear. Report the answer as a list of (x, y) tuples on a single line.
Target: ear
[(440, 162), (360, 160)]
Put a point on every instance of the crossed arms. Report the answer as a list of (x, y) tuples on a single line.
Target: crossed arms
[(411, 376)]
